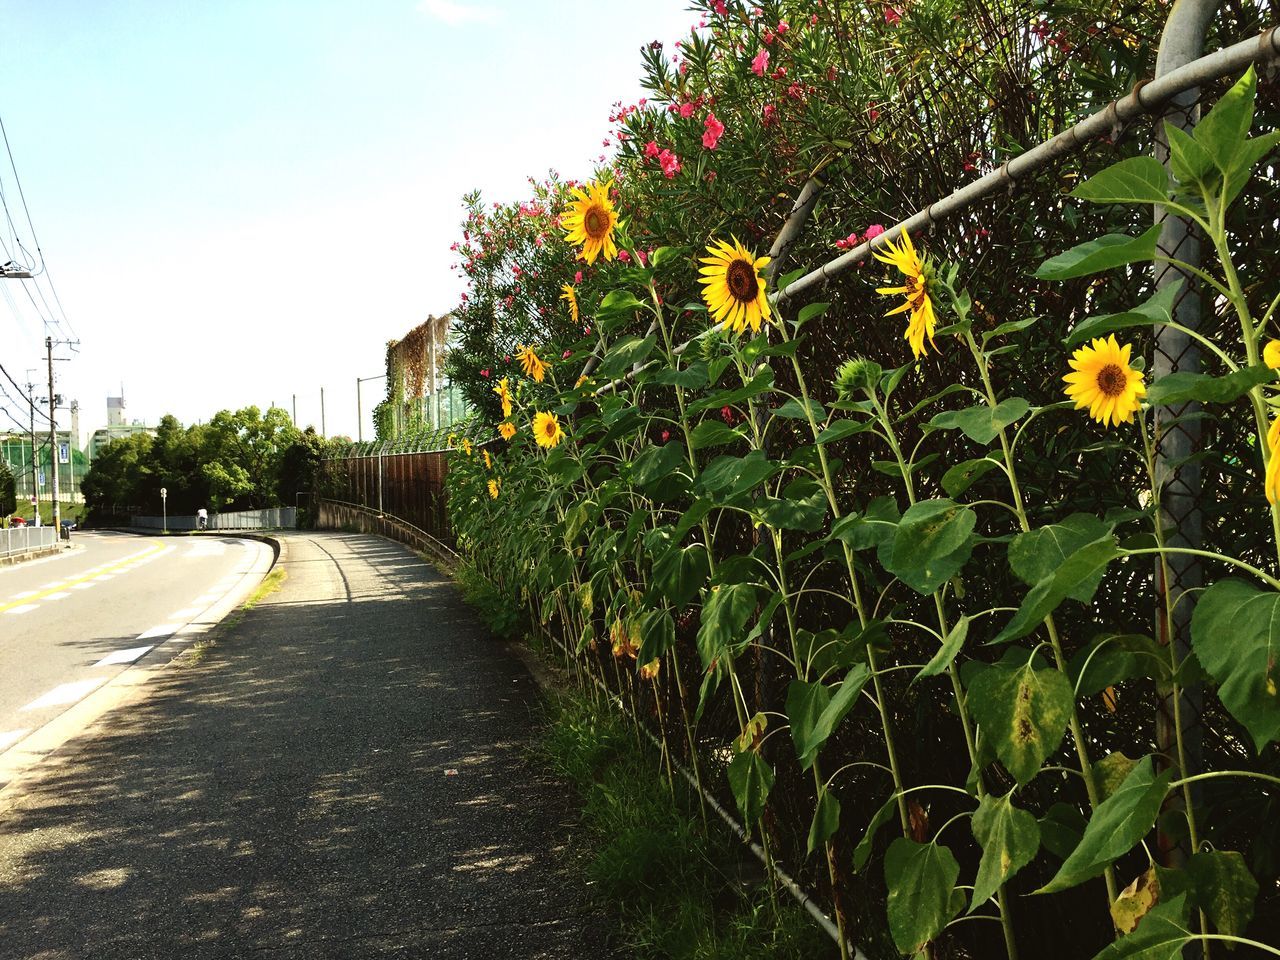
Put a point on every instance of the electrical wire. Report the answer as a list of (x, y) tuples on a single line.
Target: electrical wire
[(28, 400), (44, 267)]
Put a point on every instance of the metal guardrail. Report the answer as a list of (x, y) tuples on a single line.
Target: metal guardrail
[(19, 541), (270, 518), (339, 515)]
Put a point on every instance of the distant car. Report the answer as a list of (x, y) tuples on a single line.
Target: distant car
[(68, 525), (17, 521)]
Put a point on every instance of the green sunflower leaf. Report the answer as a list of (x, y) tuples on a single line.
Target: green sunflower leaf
[(1036, 554), (1235, 632), (1010, 839), (1116, 826), (1176, 388), (1156, 309), (1104, 253), (982, 424), (921, 878), (1135, 180), (1023, 713), (750, 778), (932, 542)]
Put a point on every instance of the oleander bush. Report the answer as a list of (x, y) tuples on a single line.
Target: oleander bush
[(891, 585)]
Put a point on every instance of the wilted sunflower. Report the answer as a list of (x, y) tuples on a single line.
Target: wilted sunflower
[(531, 363), (590, 221), (1104, 382), (918, 277), (649, 671), (503, 390), (733, 288), (546, 430), (507, 430), (572, 297), (495, 487)]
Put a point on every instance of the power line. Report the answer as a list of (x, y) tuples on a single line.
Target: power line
[(30, 402), (44, 267)]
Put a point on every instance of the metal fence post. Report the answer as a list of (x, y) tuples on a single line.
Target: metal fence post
[(1180, 513)]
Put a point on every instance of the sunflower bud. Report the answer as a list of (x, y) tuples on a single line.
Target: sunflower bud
[(855, 376)]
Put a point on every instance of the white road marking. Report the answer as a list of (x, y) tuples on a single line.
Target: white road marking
[(24, 594), (166, 630), (60, 595), (122, 656), (66, 693), (53, 586), (23, 608), (10, 737), (186, 614), (82, 586), (105, 576)]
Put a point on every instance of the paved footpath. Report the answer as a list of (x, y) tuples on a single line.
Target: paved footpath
[(291, 794)]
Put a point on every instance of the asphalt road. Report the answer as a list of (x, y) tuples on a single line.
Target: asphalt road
[(70, 623)]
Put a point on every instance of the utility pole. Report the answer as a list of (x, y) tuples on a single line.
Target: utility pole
[(53, 440), (35, 470), (359, 415), (323, 431), (295, 409)]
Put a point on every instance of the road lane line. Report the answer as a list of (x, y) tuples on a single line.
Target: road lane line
[(60, 595), (66, 693), (186, 614), (85, 581), (82, 586), (23, 608), (23, 595), (123, 656), (165, 630)]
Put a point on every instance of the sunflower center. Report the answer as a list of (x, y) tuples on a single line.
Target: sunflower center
[(595, 222), (549, 429), (1112, 380), (740, 277)]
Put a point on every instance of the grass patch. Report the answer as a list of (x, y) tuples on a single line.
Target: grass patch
[(683, 891), (269, 585)]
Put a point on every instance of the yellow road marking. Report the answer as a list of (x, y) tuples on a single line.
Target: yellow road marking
[(88, 576)]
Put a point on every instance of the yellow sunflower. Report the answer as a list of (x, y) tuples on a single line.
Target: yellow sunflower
[(532, 365), (1104, 382), (507, 429), (466, 446), (1271, 354), (488, 460), (495, 487), (918, 274), (503, 390), (572, 297), (546, 430), (590, 220), (734, 290)]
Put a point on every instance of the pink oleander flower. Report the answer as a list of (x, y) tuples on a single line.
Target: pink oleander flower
[(485, 373), (770, 114), (686, 110), (624, 256), (651, 149), (761, 62), (713, 131), (670, 163), (872, 113), (577, 277), (720, 7), (566, 355), (873, 231), (783, 27), (892, 16)]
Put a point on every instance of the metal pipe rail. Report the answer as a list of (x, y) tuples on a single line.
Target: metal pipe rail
[(1147, 97)]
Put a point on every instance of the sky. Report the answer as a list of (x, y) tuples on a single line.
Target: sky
[(240, 201)]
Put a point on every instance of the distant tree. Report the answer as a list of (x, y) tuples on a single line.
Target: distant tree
[(242, 451), (8, 490), (121, 476)]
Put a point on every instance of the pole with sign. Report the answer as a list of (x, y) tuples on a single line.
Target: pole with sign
[(164, 508)]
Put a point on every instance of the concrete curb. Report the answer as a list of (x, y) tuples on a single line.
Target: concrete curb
[(59, 740)]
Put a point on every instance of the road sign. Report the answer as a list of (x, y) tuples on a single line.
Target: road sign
[(40, 478), (34, 501), (64, 453), (164, 492)]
